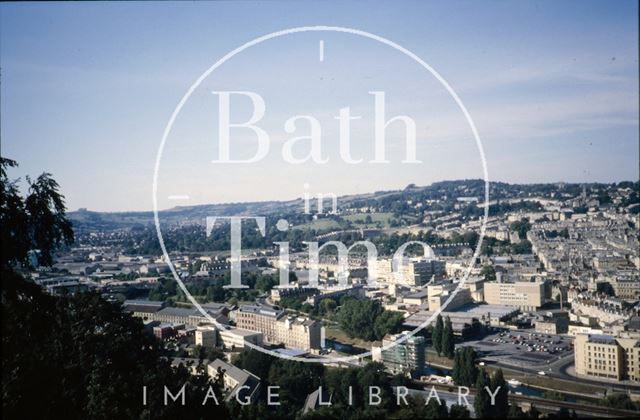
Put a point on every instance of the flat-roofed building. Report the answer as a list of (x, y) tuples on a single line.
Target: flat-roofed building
[(164, 331), (476, 288), (205, 336), (155, 311), (236, 338), (464, 324), (462, 297), (552, 322), (143, 308), (298, 333), (606, 356), (527, 296), (301, 333), (417, 298), (412, 271), (259, 318), (407, 356)]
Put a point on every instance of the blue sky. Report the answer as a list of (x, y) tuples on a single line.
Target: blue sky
[(87, 90)]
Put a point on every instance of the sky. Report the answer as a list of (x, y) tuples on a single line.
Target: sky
[(87, 90)]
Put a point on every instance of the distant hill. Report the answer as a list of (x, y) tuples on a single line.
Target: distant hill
[(106, 221), (91, 220)]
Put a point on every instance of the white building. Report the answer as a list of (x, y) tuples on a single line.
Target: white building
[(206, 336)]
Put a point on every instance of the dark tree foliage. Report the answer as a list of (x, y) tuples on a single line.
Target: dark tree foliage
[(482, 402), (459, 412), (488, 272), (620, 400), (436, 336), (80, 357), (337, 382), (436, 409), (367, 319), (36, 222), (295, 380), (516, 412), (448, 346), (522, 227), (48, 226), (76, 357), (533, 413), (13, 220), (501, 407), (465, 372)]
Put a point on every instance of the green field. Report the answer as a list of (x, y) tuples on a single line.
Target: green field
[(382, 218), (319, 225)]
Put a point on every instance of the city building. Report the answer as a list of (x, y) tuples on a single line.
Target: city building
[(600, 308), (156, 311), (413, 271), (407, 356), (164, 331), (552, 322), (476, 288), (142, 308), (278, 293), (205, 336), (299, 333), (236, 381), (259, 318), (606, 356), (417, 298), (626, 287), (236, 338), (528, 296), (462, 297)]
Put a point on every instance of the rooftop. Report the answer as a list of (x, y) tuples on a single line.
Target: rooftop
[(261, 310)]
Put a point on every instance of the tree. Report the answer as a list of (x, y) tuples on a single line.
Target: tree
[(620, 400), (501, 407), (436, 409), (448, 346), (465, 371), (367, 319), (436, 336), (482, 402), (522, 247), (85, 356), (488, 272), (533, 413), (470, 364), (388, 322), (37, 222), (459, 412), (255, 362), (522, 227), (458, 374), (515, 412), (13, 220), (328, 305)]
